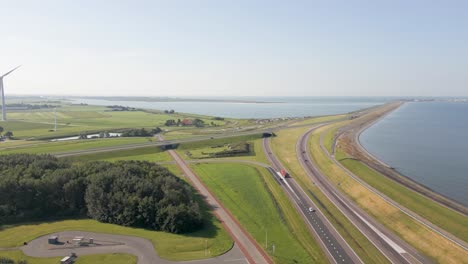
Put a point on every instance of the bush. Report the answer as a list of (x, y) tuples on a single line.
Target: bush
[(4, 260)]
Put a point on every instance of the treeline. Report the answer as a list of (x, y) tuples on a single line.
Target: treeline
[(141, 132), (121, 108), (32, 106), (129, 193), (186, 122)]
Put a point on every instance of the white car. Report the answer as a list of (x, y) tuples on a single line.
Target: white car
[(311, 209)]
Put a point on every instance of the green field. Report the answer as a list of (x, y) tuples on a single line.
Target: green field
[(74, 119), (169, 246), (247, 194), (89, 259)]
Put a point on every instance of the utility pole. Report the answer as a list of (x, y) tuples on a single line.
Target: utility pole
[(206, 247)]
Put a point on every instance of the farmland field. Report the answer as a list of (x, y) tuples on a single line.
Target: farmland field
[(74, 119)]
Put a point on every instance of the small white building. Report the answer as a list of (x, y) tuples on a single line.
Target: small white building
[(78, 240)]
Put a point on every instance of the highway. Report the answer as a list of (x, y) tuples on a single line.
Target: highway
[(167, 142), (335, 247), (395, 249), (403, 209)]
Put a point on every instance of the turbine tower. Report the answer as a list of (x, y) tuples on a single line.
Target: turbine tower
[(3, 93)]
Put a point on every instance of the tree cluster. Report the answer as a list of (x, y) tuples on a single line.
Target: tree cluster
[(141, 132), (7, 134), (129, 193), (33, 106), (169, 111), (186, 122), (121, 108)]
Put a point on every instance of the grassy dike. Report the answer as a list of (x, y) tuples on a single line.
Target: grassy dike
[(437, 214), (284, 146), (84, 259), (258, 203), (423, 239)]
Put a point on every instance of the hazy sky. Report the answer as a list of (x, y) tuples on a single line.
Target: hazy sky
[(316, 48)]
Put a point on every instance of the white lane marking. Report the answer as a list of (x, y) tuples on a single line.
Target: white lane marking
[(390, 242)]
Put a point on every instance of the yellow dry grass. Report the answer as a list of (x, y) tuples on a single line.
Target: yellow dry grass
[(431, 244)]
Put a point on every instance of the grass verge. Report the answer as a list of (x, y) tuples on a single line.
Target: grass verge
[(18, 255), (258, 203), (423, 239), (284, 146)]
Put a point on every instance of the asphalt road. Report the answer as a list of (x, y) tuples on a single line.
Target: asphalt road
[(252, 251), (403, 209), (396, 250), (336, 248), (142, 248)]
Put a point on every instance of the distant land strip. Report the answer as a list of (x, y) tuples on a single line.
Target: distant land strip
[(172, 99)]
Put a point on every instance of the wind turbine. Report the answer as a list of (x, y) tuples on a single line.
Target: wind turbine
[(3, 93)]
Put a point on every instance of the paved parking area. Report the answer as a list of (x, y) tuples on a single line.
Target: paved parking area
[(108, 243)]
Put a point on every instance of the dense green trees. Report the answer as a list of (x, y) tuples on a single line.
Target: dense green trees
[(130, 193), (141, 132)]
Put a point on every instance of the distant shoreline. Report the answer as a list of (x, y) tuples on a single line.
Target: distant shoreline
[(173, 99)]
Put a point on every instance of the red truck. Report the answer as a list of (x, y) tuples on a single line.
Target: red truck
[(284, 173)]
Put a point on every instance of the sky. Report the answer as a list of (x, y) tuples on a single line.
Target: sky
[(235, 48)]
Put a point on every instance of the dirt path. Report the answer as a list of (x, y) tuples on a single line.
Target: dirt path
[(252, 251)]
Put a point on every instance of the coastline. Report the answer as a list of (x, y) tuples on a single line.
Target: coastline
[(363, 155)]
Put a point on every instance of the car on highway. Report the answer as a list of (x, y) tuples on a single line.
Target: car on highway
[(311, 209)]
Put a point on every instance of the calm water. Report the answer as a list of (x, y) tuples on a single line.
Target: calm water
[(427, 142), (289, 106)]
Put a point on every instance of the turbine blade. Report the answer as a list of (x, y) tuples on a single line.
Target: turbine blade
[(9, 72)]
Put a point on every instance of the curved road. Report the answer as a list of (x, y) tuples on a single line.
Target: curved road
[(403, 209), (395, 249), (142, 248)]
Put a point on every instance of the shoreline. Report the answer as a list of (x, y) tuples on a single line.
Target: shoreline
[(387, 170)]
